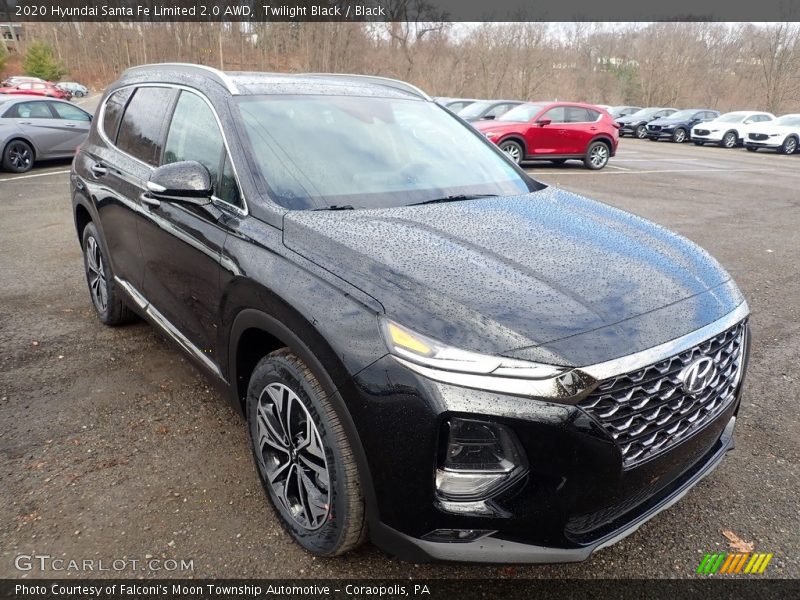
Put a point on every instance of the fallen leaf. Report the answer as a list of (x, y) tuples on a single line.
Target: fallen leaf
[(737, 543)]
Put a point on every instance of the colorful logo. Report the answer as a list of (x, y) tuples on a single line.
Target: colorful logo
[(740, 562)]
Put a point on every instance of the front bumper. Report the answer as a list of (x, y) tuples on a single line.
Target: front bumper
[(770, 143), (494, 549), (711, 136), (660, 134)]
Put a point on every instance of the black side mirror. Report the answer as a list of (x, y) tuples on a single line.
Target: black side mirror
[(185, 181), (488, 117), (543, 122)]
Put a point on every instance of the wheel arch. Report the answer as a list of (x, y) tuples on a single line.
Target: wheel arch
[(513, 137), (22, 138), (255, 333)]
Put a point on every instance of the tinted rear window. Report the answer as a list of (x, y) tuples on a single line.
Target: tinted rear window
[(114, 107), (140, 133)]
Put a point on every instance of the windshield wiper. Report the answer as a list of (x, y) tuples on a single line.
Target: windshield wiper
[(455, 198), (336, 207)]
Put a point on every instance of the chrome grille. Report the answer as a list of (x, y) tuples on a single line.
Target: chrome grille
[(648, 411)]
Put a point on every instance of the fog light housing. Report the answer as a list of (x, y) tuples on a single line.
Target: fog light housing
[(457, 535), (480, 460)]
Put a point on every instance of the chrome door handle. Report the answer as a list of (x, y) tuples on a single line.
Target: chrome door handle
[(98, 170), (69, 125), (147, 199)]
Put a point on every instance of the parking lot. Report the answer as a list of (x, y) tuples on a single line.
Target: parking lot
[(114, 446)]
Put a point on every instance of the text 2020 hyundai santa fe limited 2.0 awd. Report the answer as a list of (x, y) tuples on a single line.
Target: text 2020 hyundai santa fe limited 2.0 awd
[(430, 348)]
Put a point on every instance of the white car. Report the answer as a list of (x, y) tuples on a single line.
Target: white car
[(782, 134), (728, 130)]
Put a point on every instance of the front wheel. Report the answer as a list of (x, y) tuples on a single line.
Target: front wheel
[(679, 136), (641, 132), (18, 156), (789, 146), (303, 456), (513, 149), (729, 140), (596, 156)]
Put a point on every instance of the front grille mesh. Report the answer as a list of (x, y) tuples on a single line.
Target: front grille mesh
[(702, 131), (758, 136), (648, 411)]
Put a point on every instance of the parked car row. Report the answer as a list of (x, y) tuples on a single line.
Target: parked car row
[(34, 86)]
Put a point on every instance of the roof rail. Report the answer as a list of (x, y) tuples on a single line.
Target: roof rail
[(384, 81), (220, 76)]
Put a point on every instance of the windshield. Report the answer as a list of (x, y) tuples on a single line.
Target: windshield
[(521, 113), (368, 152), (682, 114), (733, 117), (644, 113), (787, 120), (474, 110)]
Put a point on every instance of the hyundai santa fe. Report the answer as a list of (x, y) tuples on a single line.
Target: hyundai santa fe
[(431, 349)]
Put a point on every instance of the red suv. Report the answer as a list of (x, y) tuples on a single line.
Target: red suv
[(555, 131), (37, 88)]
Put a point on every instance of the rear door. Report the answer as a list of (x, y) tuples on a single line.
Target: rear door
[(182, 243), (74, 122), (581, 125)]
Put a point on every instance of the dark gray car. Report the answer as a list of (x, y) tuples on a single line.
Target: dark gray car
[(33, 129)]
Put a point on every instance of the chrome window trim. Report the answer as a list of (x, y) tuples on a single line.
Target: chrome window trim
[(101, 114), (573, 385)]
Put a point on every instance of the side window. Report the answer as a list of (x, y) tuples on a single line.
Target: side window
[(577, 114), (140, 131), (25, 86), (195, 135), (29, 110), (69, 112), (498, 110), (556, 115), (227, 189), (113, 114)]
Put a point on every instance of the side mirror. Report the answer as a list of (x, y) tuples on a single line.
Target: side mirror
[(489, 117), (543, 122), (185, 181)]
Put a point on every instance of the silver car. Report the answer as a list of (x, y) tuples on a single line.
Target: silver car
[(33, 129)]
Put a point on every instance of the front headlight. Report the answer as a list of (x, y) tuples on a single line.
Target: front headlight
[(440, 362)]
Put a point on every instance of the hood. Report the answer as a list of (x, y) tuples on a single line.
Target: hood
[(520, 275), (668, 121), (499, 126), (768, 128)]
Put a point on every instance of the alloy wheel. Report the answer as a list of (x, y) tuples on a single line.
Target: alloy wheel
[(680, 136), (19, 155), (290, 450), (790, 146), (96, 273), (513, 152), (729, 141), (598, 155)]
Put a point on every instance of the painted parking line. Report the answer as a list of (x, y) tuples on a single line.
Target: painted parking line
[(18, 177)]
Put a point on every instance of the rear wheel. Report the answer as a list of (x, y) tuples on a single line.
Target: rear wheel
[(107, 302), (789, 146), (679, 135), (303, 456), (596, 156), (18, 156), (729, 140), (513, 149), (641, 132)]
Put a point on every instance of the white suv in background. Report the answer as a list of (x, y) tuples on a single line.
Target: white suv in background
[(782, 134), (728, 130)]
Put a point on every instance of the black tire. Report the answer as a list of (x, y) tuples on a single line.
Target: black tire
[(513, 149), (321, 454), (641, 132), (729, 140), (18, 156), (558, 161), (697, 143), (751, 148), (597, 155), (106, 298), (789, 145), (680, 135), (653, 139)]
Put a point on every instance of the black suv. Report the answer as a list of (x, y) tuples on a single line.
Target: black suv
[(429, 347), (677, 127), (635, 124)]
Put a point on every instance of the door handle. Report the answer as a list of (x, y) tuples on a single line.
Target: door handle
[(592, 128), (562, 131), (98, 170), (25, 123), (147, 199), (69, 125)]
